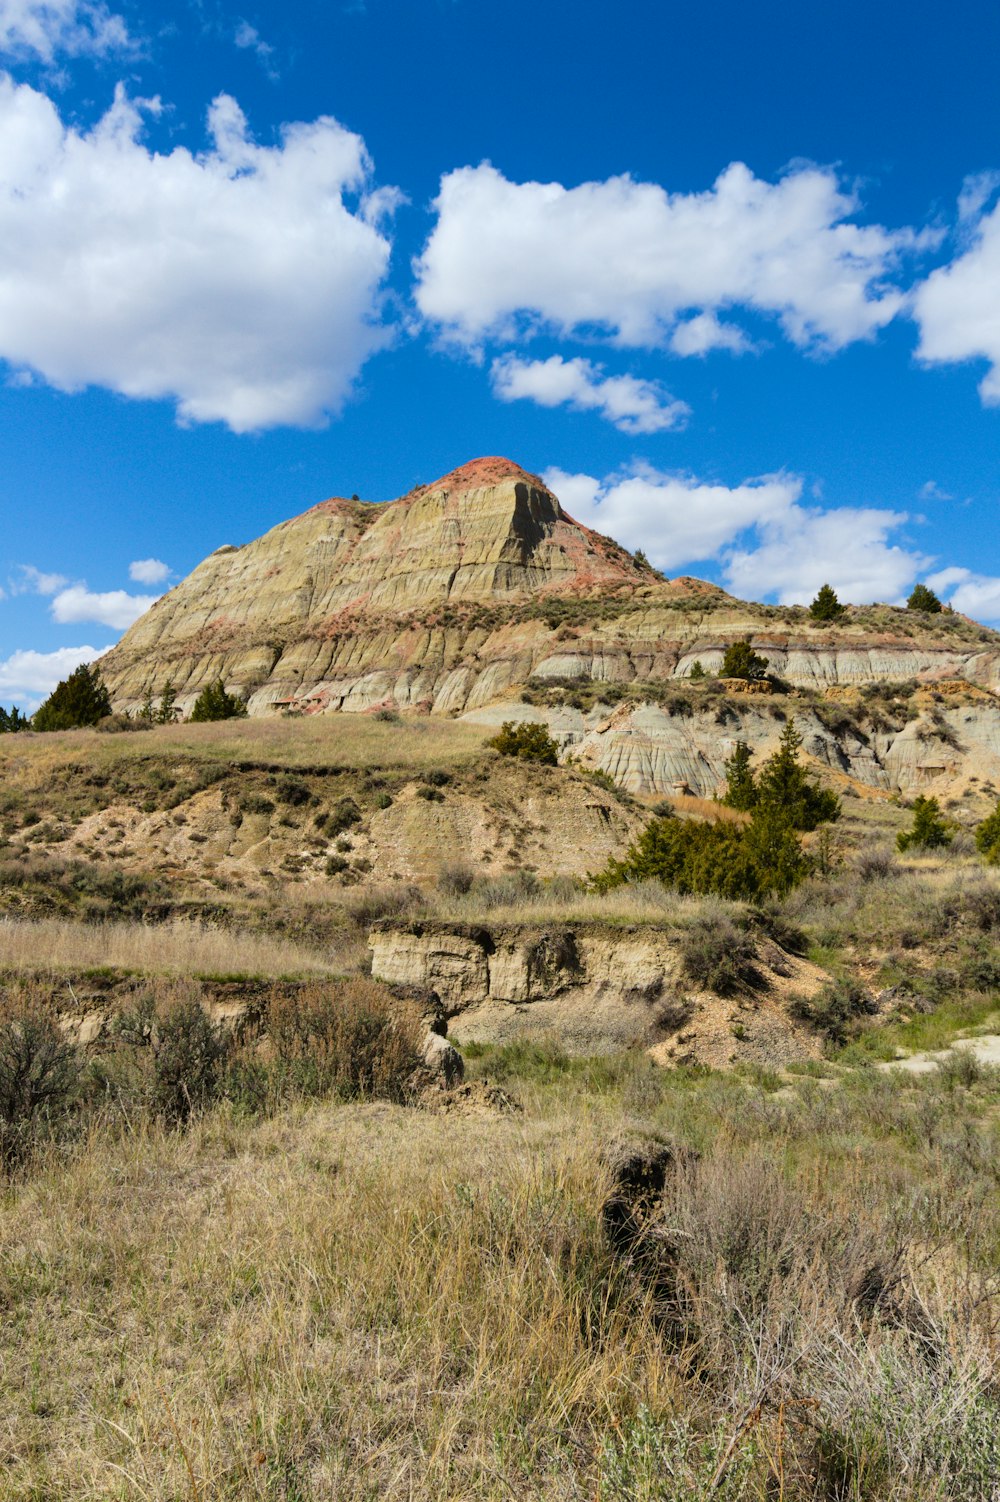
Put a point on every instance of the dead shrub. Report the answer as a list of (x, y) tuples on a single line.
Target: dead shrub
[(39, 1072), (347, 1039), (390, 901), (179, 1052), (876, 864), (719, 956), (455, 879)]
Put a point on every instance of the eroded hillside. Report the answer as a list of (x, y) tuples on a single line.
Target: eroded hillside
[(453, 597)]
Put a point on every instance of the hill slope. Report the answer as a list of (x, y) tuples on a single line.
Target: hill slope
[(457, 594)]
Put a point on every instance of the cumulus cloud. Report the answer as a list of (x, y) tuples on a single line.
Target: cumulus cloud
[(703, 333), (848, 547), (28, 677), (675, 519), (973, 594), (643, 265), (238, 282), (116, 607), (634, 406), (47, 27), (148, 571), (35, 581), (958, 306), (766, 541)]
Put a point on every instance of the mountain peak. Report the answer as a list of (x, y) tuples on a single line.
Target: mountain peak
[(491, 469)]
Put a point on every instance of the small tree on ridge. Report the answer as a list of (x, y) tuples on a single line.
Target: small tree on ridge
[(213, 703), (81, 699), (741, 661), (826, 606)]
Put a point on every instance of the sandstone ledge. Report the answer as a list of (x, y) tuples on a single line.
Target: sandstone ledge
[(598, 989)]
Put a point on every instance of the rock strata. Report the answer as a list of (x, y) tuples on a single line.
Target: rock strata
[(599, 989), (451, 598)]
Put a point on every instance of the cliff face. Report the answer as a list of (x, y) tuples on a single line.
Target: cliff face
[(599, 990), (947, 744), (452, 598)]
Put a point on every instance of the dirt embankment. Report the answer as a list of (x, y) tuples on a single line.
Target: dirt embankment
[(600, 989)]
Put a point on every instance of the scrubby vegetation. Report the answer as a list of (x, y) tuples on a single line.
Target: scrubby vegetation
[(929, 831), (415, 1306), (80, 699), (741, 661), (988, 837), (214, 703), (239, 1260), (527, 741), (782, 788), (739, 861)]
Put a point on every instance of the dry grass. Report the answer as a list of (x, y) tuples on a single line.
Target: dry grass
[(707, 808), (354, 741), (511, 900), (341, 1304), (372, 1302), (179, 948)]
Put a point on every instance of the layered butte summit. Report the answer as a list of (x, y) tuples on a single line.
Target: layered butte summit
[(454, 596)]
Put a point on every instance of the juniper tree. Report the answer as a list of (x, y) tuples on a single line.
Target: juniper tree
[(924, 599), (741, 787), (826, 606), (526, 740), (80, 699), (12, 720), (166, 714), (214, 703), (784, 788), (741, 661), (929, 831), (988, 837)]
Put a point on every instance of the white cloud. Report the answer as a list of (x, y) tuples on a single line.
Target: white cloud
[(932, 491), (634, 406), (977, 190), (675, 520), (116, 607), (236, 282), (973, 594), (34, 581), (958, 307), (848, 547), (633, 260), (48, 27), (29, 677), (703, 333), (249, 39), (788, 549), (148, 571)]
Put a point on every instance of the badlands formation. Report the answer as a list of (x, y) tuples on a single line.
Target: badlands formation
[(477, 596)]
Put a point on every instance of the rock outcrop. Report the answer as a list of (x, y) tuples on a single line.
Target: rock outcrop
[(453, 597), (599, 989), (949, 747)]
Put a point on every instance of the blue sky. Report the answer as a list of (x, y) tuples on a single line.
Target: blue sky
[(728, 276)]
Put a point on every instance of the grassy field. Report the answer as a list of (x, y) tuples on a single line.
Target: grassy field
[(178, 947), (370, 1302), (236, 1268), (352, 741)]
